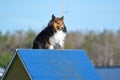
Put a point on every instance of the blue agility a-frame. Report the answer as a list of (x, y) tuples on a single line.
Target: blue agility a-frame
[(55, 65)]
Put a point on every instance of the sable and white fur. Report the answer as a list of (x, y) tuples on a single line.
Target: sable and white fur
[(53, 36)]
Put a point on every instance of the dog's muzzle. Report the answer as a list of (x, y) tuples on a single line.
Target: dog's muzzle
[(61, 28)]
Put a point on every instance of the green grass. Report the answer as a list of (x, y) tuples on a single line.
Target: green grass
[(4, 59)]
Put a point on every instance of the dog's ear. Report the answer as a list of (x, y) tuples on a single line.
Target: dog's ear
[(62, 17), (53, 17)]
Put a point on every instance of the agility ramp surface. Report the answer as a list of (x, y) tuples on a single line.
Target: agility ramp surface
[(50, 65)]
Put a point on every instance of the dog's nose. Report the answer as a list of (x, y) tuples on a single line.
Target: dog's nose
[(61, 28)]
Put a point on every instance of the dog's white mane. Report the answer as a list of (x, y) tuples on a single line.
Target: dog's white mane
[(57, 39)]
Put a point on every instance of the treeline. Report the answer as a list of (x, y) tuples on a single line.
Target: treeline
[(9, 42), (103, 48)]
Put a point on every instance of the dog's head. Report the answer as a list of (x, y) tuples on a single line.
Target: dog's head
[(57, 23)]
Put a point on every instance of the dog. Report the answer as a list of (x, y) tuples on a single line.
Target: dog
[(53, 36)]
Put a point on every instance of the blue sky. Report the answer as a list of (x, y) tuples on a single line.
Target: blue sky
[(83, 15)]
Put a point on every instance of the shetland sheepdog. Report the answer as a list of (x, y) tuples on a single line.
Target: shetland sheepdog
[(53, 36)]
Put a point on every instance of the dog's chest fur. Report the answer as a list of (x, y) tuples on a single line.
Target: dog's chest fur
[(57, 39)]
